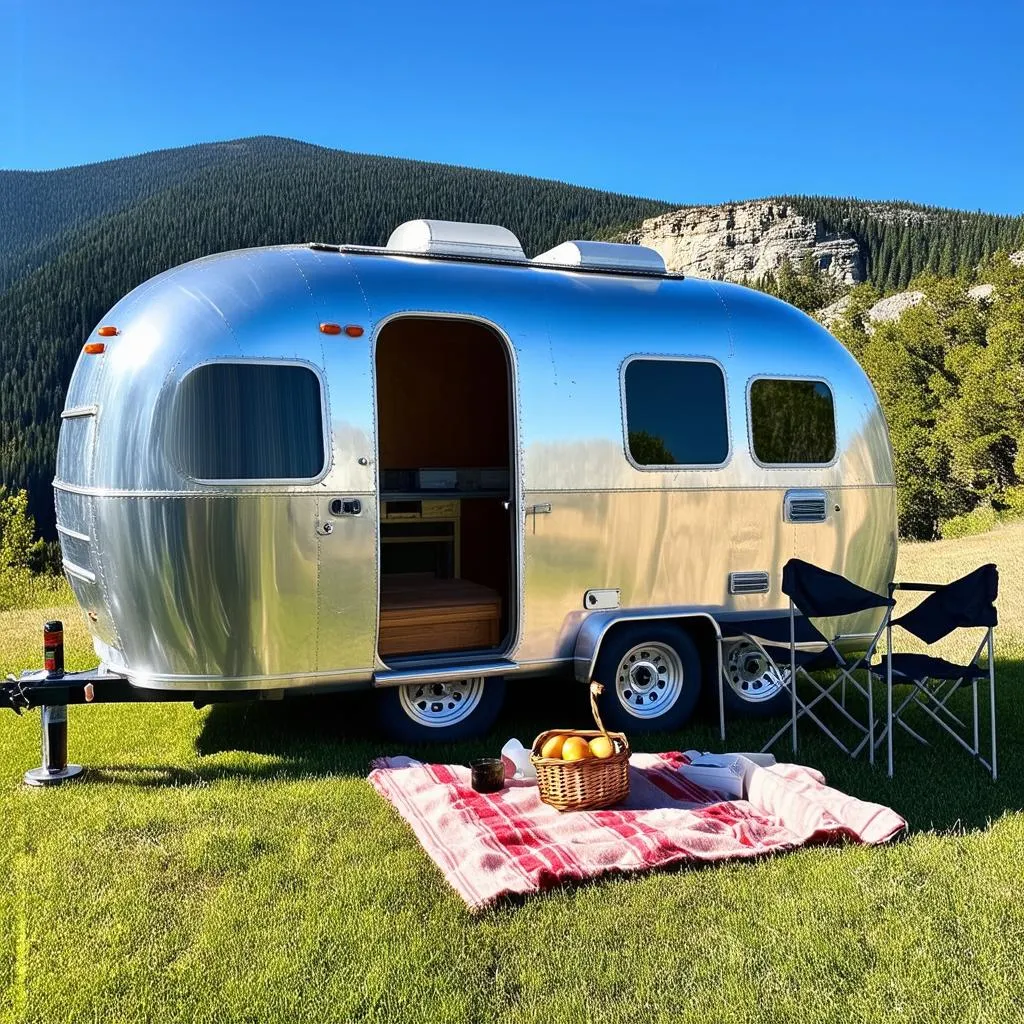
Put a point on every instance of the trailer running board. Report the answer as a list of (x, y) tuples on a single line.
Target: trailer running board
[(450, 672)]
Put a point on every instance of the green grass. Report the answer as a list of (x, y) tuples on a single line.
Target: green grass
[(233, 864)]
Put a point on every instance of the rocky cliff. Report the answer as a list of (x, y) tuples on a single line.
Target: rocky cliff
[(741, 241)]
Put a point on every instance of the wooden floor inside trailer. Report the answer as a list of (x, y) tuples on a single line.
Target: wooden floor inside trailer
[(419, 613)]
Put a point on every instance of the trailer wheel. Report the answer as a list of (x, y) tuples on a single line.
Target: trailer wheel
[(651, 674), (438, 712), (755, 687)]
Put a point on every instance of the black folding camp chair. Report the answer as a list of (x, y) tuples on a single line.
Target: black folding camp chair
[(968, 602), (816, 593)]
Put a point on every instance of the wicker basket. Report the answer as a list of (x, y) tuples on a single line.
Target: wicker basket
[(588, 784)]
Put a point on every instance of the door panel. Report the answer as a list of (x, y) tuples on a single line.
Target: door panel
[(347, 621), (346, 540)]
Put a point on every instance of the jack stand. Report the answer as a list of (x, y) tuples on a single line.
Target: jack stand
[(55, 768)]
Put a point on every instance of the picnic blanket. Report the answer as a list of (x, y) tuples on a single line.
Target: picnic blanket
[(492, 845)]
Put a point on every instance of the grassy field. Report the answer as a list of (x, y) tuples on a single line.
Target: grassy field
[(232, 864)]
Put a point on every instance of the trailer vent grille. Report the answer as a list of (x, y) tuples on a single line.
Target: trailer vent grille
[(748, 583), (805, 507)]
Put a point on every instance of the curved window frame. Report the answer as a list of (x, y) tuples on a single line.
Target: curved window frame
[(750, 422), (262, 481), (673, 466)]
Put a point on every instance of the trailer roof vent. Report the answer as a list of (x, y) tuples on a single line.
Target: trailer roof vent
[(455, 238), (635, 259)]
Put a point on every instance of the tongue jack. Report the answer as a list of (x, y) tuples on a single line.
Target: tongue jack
[(55, 768)]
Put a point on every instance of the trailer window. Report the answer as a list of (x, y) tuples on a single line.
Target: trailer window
[(675, 412), (250, 421), (792, 422)]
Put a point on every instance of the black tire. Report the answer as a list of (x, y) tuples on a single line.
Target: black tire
[(397, 722), (616, 647), (736, 706)]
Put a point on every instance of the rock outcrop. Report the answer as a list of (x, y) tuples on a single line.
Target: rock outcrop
[(833, 312), (982, 292), (741, 241), (892, 307)]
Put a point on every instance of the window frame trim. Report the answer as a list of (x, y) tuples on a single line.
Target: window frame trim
[(264, 481), (815, 379), (669, 467)]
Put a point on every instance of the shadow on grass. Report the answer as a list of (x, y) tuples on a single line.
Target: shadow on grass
[(338, 734), (934, 787)]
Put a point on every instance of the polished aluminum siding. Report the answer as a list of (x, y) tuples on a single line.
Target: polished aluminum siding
[(213, 585)]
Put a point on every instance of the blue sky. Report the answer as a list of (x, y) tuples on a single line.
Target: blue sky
[(684, 102)]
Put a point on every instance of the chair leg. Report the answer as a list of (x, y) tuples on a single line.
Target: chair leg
[(906, 728), (805, 709), (792, 667), (871, 718), (974, 712), (992, 697), (888, 694)]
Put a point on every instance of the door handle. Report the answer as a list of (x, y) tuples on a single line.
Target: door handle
[(346, 507)]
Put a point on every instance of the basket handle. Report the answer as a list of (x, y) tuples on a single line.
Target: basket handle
[(596, 689)]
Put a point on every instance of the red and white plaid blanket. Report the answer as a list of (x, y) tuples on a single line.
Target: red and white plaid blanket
[(496, 844)]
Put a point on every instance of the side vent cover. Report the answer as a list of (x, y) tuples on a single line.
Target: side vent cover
[(805, 507), (748, 583)]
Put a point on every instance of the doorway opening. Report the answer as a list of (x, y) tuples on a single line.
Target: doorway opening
[(446, 472)]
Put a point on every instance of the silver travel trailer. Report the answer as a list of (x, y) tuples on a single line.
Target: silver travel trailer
[(437, 465)]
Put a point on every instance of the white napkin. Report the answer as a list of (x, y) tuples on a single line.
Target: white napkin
[(725, 774)]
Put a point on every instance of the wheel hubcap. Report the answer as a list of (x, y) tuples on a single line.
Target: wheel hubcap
[(752, 677), (649, 680), (436, 705)]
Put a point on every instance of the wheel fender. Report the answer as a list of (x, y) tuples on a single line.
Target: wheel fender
[(598, 624)]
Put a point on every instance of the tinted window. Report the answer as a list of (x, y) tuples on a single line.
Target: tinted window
[(792, 421), (250, 421), (675, 413)]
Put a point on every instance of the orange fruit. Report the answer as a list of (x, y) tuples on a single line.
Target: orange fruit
[(601, 746), (575, 748), (552, 746)]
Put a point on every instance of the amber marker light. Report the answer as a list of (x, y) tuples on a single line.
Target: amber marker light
[(354, 331), (330, 328), (107, 331), (95, 348)]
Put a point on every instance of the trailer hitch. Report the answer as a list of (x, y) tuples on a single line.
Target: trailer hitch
[(52, 689), (13, 696)]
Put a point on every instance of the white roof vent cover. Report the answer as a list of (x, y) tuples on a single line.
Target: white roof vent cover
[(639, 259), (455, 238)]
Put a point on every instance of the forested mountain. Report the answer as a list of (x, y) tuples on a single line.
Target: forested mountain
[(74, 241), (226, 196), (898, 241), (38, 209)]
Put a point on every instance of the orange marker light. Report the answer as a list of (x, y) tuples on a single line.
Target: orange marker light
[(107, 331), (354, 331), (95, 348), (330, 328)]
